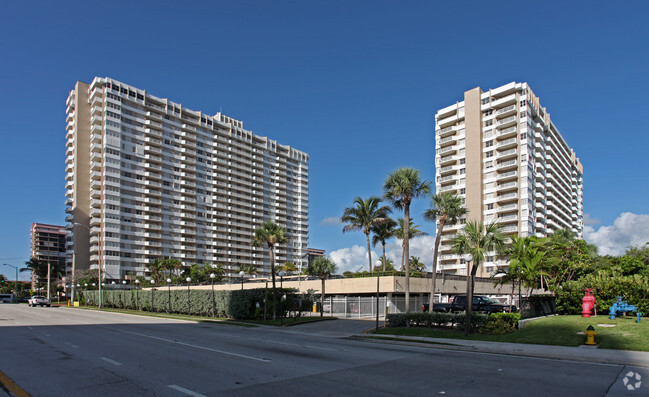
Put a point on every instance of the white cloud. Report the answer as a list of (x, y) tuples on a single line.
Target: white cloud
[(332, 220), (351, 259), (628, 230), (588, 220), (355, 258)]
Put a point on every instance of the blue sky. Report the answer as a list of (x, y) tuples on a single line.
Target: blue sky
[(353, 83)]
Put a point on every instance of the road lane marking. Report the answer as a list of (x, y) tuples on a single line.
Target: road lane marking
[(10, 385), (108, 360), (263, 360), (186, 391), (71, 345), (289, 344)]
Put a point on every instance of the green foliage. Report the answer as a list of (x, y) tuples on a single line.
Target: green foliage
[(501, 324), (395, 273), (607, 286), (237, 304), (429, 320)]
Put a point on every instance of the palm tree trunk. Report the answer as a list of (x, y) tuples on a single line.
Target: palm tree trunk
[(469, 295), (322, 296), (433, 277), (272, 271), (369, 253), (384, 258), (406, 251)]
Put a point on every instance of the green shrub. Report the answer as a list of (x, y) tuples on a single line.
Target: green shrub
[(237, 304), (501, 324)]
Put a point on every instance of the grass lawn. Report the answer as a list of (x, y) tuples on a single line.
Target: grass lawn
[(557, 330)]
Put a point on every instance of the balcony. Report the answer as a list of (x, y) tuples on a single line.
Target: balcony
[(507, 164), (507, 110), (507, 197), (448, 160), (507, 175), (447, 150), (506, 154), (153, 124), (506, 122), (513, 142), (446, 132)]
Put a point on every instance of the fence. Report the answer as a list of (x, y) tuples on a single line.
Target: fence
[(354, 306)]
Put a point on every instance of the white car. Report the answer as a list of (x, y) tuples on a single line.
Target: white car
[(39, 301)]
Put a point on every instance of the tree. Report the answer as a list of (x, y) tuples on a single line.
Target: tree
[(172, 266), (446, 207), (401, 187), (362, 216), (321, 267), (413, 231), (157, 268), (416, 266), (287, 267), (270, 234), (478, 240), (388, 264), (382, 232)]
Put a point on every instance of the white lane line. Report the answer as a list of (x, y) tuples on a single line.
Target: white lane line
[(289, 344), (186, 391), (263, 360), (71, 345), (108, 360)]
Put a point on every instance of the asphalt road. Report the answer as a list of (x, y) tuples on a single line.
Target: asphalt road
[(72, 352)]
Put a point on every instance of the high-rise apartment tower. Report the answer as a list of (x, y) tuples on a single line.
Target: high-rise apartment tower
[(502, 153), (148, 178), (48, 245)]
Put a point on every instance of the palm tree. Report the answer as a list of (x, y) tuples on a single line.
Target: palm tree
[(287, 267), (363, 215), (413, 231), (157, 267), (478, 240), (401, 187), (382, 232), (38, 269), (270, 234), (388, 264), (445, 207), (172, 265), (416, 266), (321, 267)]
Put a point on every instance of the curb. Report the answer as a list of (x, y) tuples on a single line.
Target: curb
[(579, 354)]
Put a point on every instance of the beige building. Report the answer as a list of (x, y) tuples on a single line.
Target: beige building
[(500, 151), (47, 244), (148, 178)]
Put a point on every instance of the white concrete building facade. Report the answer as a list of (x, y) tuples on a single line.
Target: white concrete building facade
[(502, 153), (147, 178)]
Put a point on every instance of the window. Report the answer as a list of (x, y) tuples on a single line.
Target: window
[(489, 143), (488, 112), (485, 101), (462, 161), (489, 154), (490, 206), (462, 171), (463, 191), (488, 123)]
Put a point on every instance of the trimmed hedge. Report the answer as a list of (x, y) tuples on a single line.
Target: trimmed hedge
[(501, 324), (435, 319), (237, 304)]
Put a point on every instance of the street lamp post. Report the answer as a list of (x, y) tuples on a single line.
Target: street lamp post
[(15, 267), (137, 295), (469, 295), (212, 276), (377, 265), (241, 273), (113, 293), (281, 286), (189, 301), (152, 295), (123, 293), (169, 290)]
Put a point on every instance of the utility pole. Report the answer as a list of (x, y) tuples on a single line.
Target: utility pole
[(49, 268)]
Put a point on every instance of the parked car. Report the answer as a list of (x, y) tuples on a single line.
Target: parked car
[(39, 301), (7, 298), (480, 304)]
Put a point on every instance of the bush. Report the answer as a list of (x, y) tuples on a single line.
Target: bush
[(501, 324), (429, 320), (607, 287), (237, 304)]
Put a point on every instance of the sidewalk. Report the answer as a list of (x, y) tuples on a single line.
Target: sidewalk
[(582, 353)]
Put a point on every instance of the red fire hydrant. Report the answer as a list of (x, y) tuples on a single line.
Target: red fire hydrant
[(588, 303)]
